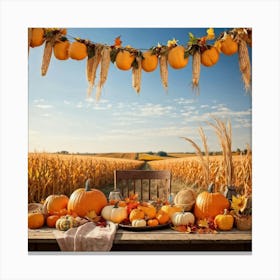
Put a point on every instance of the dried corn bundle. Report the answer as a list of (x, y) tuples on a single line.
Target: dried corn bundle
[(105, 64), (244, 63), (163, 70), (136, 75), (92, 64), (196, 71)]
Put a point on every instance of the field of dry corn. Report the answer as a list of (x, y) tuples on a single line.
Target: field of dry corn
[(56, 174)]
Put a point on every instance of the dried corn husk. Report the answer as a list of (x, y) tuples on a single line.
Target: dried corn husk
[(92, 64), (105, 64), (196, 71), (136, 75), (244, 63), (163, 70)]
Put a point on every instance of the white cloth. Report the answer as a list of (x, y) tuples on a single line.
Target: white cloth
[(87, 237)]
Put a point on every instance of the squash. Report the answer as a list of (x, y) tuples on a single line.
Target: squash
[(83, 200), (224, 221), (139, 223), (66, 222), (149, 62), (170, 210), (51, 220), (209, 204), (124, 60), (136, 214), (37, 37), (56, 204), (61, 50), (229, 46), (152, 222), (176, 57), (162, 217), (114, 213), (210, 56), (185, 198), (149, 210), (78, 50), (182, 219), (35, 220)]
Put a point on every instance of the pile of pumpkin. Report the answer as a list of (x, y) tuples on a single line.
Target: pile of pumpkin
[(205, 212)]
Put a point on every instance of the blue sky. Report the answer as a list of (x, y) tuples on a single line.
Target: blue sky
[(61, 117)]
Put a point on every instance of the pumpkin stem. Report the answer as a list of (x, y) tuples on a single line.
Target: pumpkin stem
[(87, 185), (211, 188), (225, 211), (116, 204)]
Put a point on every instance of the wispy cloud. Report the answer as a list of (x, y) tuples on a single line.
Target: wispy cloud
[(43, 106)]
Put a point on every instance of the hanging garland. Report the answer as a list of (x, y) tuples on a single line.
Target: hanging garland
[(127, 58)]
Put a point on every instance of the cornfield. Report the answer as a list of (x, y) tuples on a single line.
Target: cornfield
[(189, 172), (62, 174)]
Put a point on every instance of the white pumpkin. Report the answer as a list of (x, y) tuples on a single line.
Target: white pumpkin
[(139, 223), (182, 218), (114, 213)]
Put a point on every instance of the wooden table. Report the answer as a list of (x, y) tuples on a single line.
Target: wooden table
[(157, 240)]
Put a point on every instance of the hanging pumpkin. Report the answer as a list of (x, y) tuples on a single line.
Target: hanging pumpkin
[(124, 60), (176, 57), (149, 61), (61, 50), (78, 50), (35, 220), (224, 221), (139, 223), (210, 56), (228, 45), (55, 204), (114, 213), (83, 200), (37, 37), (209, 204), (182, 218)]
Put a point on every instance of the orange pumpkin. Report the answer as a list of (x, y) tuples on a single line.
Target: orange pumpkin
[(78, 51), (124, 60), (153, 222), (209, 205), (149, 62), (136, 214), (162, 217), (149, 210), (37, 37), (83, 200), (170, 210), (35, 220), (51, 220), (229, 46), (61, 50), (210, 57), (176, 57), (56, 204)]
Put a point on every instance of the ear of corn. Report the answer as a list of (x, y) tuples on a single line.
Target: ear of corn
[(105, 64), (163, 70), (196, 71), (244, 63), (46, 57), (136, 75)]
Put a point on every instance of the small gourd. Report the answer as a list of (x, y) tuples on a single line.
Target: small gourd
[(35, 220), (224, 221), (149, 210), (66, 222), (139, 223), (182, 219), (152, 222), (170, 210), (136, 214)]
